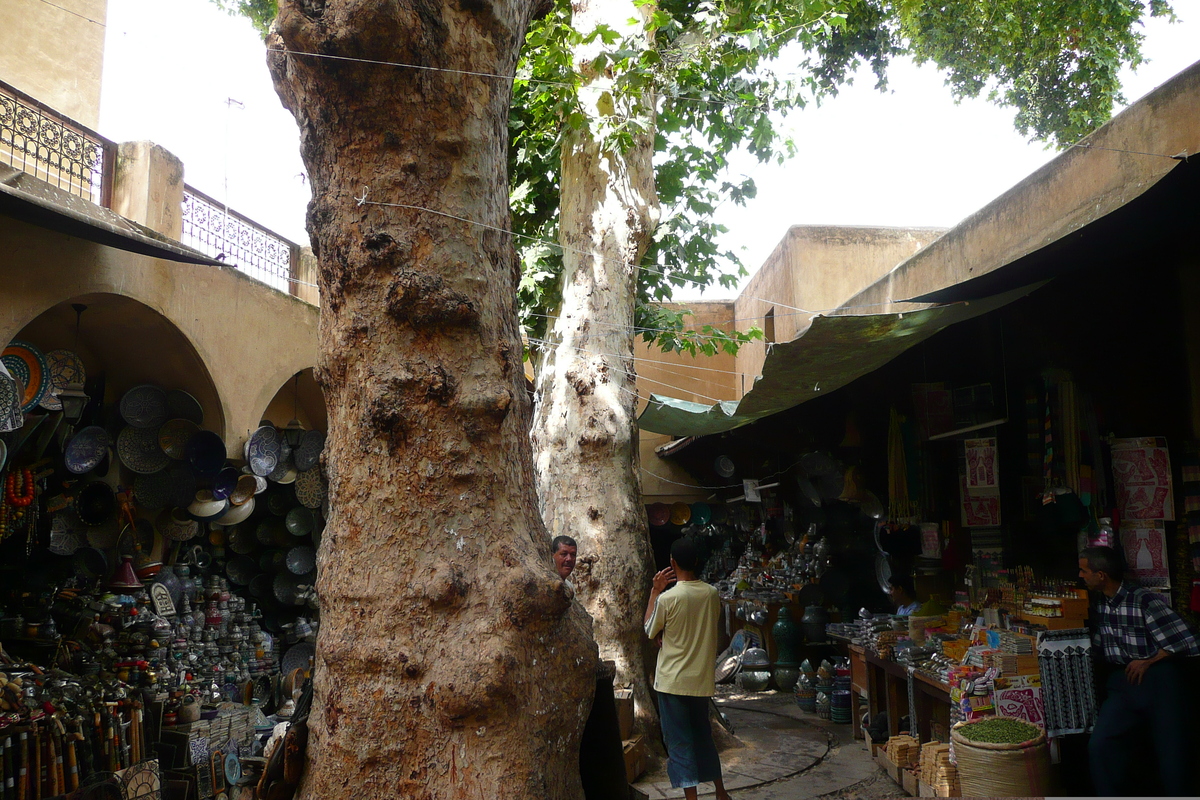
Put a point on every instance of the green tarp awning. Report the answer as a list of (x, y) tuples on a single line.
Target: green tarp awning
[(830, 354)]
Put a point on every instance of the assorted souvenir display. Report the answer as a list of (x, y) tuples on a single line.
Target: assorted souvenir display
[(157, 600)]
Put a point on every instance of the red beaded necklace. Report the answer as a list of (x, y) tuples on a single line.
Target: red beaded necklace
[(19, 488)]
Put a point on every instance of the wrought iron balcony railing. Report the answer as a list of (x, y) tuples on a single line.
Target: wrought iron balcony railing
[(37, 139), (222, 233)]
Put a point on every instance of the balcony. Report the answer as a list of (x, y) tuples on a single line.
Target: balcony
[(39, 141)]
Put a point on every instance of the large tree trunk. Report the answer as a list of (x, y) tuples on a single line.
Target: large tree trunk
[(449, 661), (585, 430)]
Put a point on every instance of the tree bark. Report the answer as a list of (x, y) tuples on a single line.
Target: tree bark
[(585, 429), (450, 663)]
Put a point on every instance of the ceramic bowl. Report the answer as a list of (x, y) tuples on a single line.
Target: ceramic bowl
[(225, 483), (174, 436), (175, 525), (299, 522), (206, 507), (235, 514), (244, 490)]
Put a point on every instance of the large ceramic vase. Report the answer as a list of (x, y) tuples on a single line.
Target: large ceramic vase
[(787, 638), (814, 621), (787, 641)]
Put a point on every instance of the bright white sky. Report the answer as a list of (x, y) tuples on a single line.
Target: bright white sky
[(910, 157)]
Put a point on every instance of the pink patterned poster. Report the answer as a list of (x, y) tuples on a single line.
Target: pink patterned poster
[(982, 468), (1145, 545), (1024, 704), (1142, 468), (980, 507)]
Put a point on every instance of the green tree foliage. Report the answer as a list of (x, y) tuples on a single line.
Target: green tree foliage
[(720, 75)]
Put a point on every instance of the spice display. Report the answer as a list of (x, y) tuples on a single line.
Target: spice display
[(999, 730)]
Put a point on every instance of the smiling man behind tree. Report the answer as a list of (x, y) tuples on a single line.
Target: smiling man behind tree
[(1136, 632), (687, 618)]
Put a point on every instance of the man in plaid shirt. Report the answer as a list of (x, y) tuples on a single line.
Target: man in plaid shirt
[(1138, 634)]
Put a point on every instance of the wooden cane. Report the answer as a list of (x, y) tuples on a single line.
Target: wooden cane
[(69, 759), (36, 771), (23, 769)]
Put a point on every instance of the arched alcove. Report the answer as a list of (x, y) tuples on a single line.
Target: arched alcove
[(127, 343), (298, 398)]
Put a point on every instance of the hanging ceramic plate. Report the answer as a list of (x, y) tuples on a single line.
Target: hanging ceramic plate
[(174, 436), (225, 482), (206, 453), (298, 656), (241, 570), (27, 364), (263, 450), (308, 454), (244, 490), (10, 402), (153, 492), (145, 406), (271, 533), (310, 488), (287, 588), (95, 503), (280, 500), (261, 586), (64, 367), (299, 522), (139, 451), (182, 405), (67, 533), (105, 535), (301, 560), (241, 539)]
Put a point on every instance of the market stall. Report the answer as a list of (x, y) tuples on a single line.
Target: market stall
[(157, 606)]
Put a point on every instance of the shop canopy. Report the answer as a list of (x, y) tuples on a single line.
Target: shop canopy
[(28, 199), (831, 353)]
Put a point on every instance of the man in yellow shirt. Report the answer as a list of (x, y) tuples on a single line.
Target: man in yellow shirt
[(687, 618)]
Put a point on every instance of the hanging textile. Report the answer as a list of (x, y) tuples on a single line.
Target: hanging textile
[(1068, 692)]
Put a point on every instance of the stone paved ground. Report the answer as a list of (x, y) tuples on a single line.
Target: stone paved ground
[(786, 754)]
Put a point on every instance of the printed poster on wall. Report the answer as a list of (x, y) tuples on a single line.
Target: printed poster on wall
[(980, 508), (1145, 545), (1024, 704), (982, 468), (980, 485), (1142, 469)]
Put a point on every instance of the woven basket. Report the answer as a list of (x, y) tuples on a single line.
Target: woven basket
[(986, 769)]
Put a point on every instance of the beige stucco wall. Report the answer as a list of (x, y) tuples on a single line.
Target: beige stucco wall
[(816, 268), (701, 379), (250, 338), (55, 55)]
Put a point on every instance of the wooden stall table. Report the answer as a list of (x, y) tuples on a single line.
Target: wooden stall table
[(887, 690)]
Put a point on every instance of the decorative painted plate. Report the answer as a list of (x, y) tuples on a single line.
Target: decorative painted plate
[(154, 491), (145, 406), (27, 364), (225, 483), (139, 451), (65, 367), (182, 405), (174, 436), (241, 570), (310, 488), (287, 588), (299, 522), (206, 454), (308, 454), (264, 449), (301, 559), (87, 449), (67, 533), (298, 656), (10, 402)]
